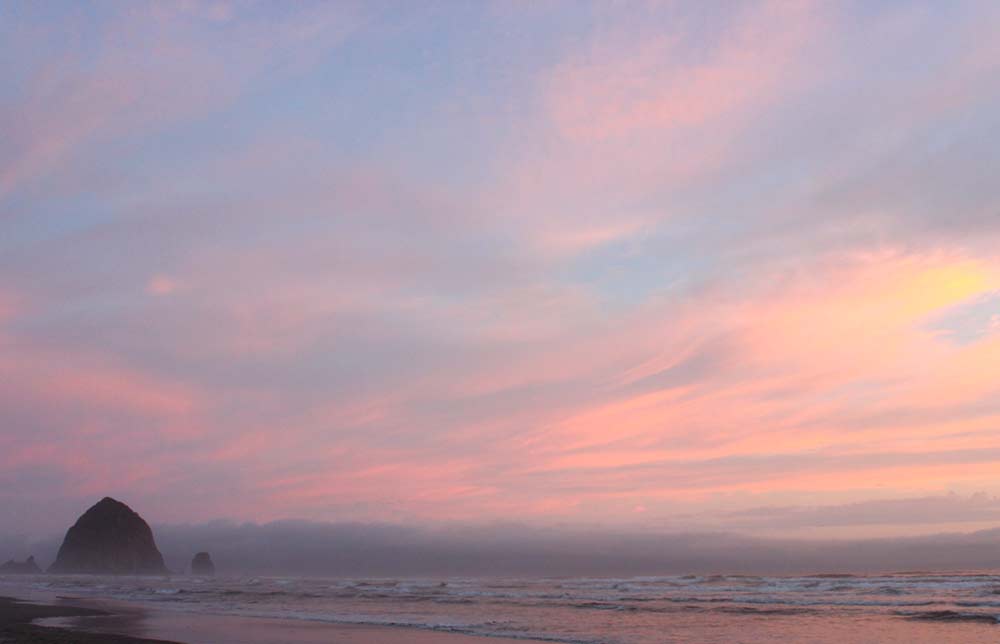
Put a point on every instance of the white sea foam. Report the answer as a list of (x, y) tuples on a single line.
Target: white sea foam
[(584, 610)]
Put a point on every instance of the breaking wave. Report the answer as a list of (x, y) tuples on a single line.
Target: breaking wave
[(636, 610)]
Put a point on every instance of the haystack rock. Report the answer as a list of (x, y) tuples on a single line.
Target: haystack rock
[(28, 567), (202, 565), (109, 538)]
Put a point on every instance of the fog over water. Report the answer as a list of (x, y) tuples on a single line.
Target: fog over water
[(382, 550)]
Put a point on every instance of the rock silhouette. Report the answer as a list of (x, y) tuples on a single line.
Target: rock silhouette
[(109, 538), (28, 567), (202, 565)]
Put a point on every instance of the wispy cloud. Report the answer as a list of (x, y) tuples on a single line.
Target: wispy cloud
[(354, 263)]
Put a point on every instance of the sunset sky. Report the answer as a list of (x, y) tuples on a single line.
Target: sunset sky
[(660, 266)]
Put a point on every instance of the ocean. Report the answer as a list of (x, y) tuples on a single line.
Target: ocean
[(911, 608)]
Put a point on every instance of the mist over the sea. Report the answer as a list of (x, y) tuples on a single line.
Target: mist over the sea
[(383, 550)]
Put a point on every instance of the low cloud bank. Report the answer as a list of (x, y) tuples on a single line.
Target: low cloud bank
[(366, 550), (946, 512)]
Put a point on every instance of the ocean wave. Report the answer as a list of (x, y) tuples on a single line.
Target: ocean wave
[(832, 575), (749, 610), (977, 604), (489, 628), (559, 610), (951, 616)]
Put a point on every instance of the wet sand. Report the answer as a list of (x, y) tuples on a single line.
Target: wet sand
[(16, 625), (85, 621)]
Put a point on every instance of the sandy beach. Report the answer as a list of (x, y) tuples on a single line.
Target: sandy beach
[(16, 625), (83, 621)]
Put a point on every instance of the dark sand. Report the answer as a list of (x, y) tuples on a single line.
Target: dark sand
[(85, 621), (16, 627)]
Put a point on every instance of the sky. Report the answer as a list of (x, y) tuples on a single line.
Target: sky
[(658, 267)]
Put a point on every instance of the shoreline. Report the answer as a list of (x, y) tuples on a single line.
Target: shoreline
[(65, 620), (17, 625)]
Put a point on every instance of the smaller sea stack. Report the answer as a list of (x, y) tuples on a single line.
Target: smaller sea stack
[(202, 565), (27, 567)]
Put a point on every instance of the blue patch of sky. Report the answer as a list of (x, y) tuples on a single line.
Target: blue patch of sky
[(970, 321), (626, 273)]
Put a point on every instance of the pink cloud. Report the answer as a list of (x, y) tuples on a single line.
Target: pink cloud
[(371, 345), (632, 116), (160, 285), (9, 306), (821, 369), (93, 419), (161, 69), (624, 86), (819, 341), (61, 111), (810, 355)]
